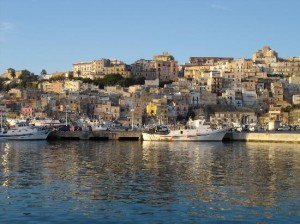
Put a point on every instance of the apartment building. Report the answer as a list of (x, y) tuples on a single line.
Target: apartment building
[(166, 68), (143, 68), (99, 68)]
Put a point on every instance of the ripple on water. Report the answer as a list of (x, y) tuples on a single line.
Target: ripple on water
[(86, 181)]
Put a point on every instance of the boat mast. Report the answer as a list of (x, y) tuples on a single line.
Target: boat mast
[(66, 116), (1, 120)]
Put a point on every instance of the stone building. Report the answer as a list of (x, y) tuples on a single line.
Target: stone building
[(166, 68), (99, 68), (143, 68), (265, 56)]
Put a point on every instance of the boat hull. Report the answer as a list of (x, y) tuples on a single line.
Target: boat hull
[(42, 135), (186, 135)]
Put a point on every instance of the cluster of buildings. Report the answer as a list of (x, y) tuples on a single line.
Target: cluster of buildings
[(225, 90)]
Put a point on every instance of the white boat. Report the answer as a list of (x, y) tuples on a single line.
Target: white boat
[(196, 130), (24, 131), (46, 122), (93, 125)]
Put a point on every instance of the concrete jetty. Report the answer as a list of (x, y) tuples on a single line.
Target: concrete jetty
[(274, 136), (97, 135)]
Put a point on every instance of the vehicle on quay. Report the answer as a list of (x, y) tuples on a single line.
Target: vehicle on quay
[(284, 128), (195, 130), (24, 131)]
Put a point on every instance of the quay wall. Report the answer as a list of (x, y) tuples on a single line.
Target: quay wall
[(266, 137), (137, 135), (101, 135)]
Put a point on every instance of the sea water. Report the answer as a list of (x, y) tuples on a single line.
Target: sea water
[(148, 182)]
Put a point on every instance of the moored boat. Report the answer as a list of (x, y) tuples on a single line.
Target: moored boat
[(24, 131), (196, 130)]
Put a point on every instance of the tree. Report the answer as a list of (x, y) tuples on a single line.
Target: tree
[(162, 83), (140, 80), (43, 72), (13, 73), (78, 72), (190, 114)]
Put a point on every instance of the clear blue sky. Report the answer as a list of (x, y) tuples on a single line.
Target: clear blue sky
[(53, 34)]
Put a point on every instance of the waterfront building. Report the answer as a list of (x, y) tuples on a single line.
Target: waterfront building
[(228, 117), (275, 114), (26, 112), (106, 110), (294, 116), (157, 111)]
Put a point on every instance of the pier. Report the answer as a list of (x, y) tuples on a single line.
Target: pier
[(98, 135), (275, 136)]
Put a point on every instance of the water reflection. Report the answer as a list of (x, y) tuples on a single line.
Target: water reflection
[(183, 181)]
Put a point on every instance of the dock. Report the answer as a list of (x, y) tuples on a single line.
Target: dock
[(98, 135), (275, 136)]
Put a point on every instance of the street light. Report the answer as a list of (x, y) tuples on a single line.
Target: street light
[(132, 110)]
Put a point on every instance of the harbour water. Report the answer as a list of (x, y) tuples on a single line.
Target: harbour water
[(149, 182)]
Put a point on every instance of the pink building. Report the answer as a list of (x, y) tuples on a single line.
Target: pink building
[(26, 111)]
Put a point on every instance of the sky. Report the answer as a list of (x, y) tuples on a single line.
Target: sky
[(54, 34)]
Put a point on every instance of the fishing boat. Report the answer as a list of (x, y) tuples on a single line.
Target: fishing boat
[(46, 122), (195, 130), (24, 131), (93, 125)]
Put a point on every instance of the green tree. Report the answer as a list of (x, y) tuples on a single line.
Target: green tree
[(112, 79), (140, 80), (162, 83), (12, 73), (78, 72), (58, 78), (43, 72)]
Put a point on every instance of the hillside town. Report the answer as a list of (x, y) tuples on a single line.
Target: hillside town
[(224, 90)]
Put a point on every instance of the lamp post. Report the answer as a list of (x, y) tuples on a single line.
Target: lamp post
[(132, 110)]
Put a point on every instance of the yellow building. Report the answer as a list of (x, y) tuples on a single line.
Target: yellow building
[(151, 109), (158, 108)]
